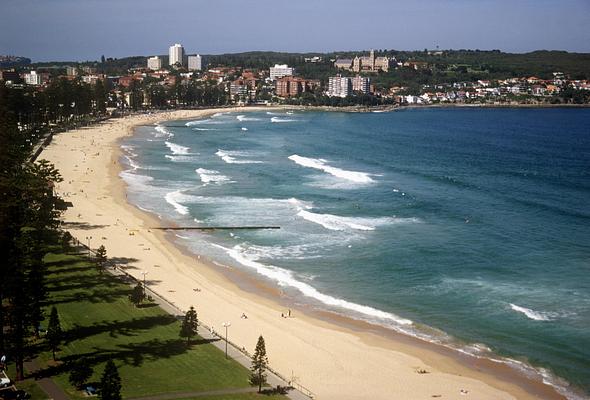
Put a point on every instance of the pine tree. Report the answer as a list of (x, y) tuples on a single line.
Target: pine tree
[(190, 325), (110, 382), (54, 332), (137, 295), (81, 372), (101, 257), (259, 365)]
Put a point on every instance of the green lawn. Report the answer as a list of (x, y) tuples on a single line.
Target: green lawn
[(100, 324)]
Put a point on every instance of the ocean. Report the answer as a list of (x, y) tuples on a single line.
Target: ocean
[(466, 227)]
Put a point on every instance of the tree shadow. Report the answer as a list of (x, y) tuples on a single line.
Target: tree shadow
[(71, 270), (134, 354), (74, 282), (62, 263), (284, 390), (81, 225), (147, 305), (87, 279), (116, 327), (96, 296), (199, 342), (122, 260)]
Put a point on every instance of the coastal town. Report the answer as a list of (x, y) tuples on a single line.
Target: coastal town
[(188, 80)]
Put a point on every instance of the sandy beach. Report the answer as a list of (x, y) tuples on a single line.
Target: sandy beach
[(334, 357)]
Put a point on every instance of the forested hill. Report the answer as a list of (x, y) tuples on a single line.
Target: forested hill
[(7, 61), (541, 62), (492, 64)]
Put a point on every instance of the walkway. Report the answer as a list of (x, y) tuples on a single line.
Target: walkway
[(53, 391)]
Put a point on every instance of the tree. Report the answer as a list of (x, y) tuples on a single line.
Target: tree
[(110, 382), (66, 240), (54, 332), (137, 295), (81, 372), (190, 325), (28, 219), (100, 96), (259, 365), (101, 257)]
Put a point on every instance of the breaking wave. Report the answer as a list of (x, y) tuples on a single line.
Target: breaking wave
[(285, 277), (316, 163), (174, 199), (177, 149), (162, 131), (277, 119), (242, 118), (211, 176), (534, 315), (230, 157), (338, 223)]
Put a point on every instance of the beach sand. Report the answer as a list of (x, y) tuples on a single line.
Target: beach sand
[(332, 356)]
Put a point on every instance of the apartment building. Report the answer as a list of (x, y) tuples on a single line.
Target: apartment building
[(154, 63), (339, 86)]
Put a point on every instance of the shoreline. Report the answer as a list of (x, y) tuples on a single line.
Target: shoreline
[(334, 341), (397, 107)]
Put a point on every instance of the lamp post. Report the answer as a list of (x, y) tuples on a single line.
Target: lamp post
[(144, 273), (88, 238), (226, 325)]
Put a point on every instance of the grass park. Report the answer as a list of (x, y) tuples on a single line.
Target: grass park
[(100, 323)]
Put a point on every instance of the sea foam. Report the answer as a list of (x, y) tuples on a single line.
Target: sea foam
[(316, 163), (208, 121), (177, 149), (244, 118), (338, 223), (534, 315), (211, 176), (230, 157), (285, 278), (161, 131), (174, 199), (280, 120)]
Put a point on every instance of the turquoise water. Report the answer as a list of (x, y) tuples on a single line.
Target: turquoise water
[(466, 227)]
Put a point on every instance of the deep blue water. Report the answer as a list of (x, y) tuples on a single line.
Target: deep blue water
[(466, 226)]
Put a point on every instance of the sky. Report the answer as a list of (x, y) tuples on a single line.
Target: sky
[(78, 30)]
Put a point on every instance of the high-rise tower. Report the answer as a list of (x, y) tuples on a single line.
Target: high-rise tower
[(176, 54)]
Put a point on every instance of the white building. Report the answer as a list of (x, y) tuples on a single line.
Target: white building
[(176, 54), (72, 71), (361, 84), (280, 70), (339, 86), (154, 63), (32, 78), (195, 63)]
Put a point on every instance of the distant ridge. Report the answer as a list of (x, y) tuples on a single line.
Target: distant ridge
[(7, 61)]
